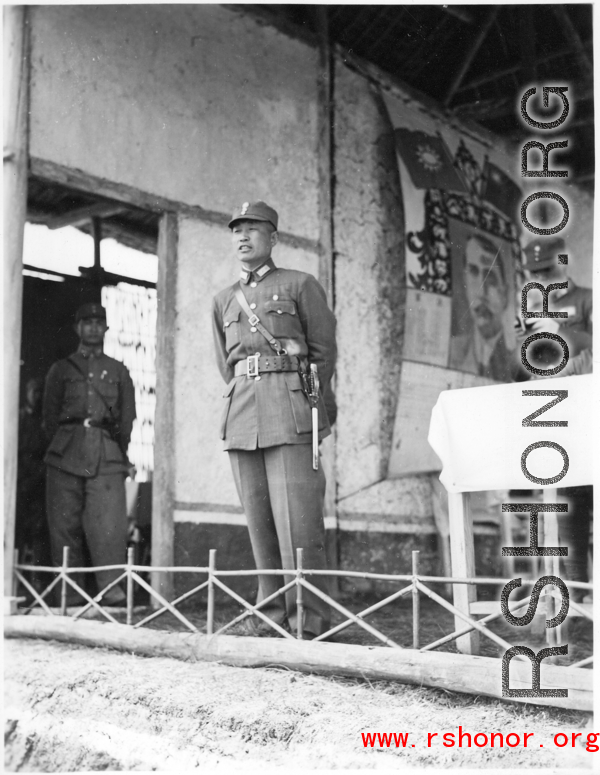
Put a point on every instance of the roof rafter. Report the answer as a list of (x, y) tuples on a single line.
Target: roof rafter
[(471, 53)]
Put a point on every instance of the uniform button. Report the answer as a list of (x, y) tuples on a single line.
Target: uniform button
[(253, 285), (253, 329), (257, 378), (275, 297), (253, 306), (279, 312), (90, 374)]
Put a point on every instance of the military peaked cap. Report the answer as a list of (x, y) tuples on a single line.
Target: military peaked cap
[(254, 211), (90, 310)]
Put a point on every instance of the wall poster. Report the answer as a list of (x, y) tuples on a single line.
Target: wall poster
[(463, 272)]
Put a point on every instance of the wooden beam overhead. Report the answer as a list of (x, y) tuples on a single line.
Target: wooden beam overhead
[(527, 44), (573, 37), (498, 74), (459, 13), (93, 185), (83, 214), (483, 110), (366, 31), (471, 53)]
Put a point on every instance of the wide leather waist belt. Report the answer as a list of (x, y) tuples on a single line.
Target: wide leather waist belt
[(87, 422), (257, 364)]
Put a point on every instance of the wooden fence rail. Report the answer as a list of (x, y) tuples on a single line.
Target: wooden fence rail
[(416, 584)]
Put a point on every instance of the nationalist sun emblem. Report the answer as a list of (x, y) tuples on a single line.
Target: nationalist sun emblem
[(429, 158)]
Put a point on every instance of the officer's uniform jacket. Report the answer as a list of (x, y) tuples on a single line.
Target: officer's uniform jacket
[(273, 410), (70, 395)]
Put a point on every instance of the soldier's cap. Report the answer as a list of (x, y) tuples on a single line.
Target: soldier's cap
[(254, 211), (542, 253), (90, 310)]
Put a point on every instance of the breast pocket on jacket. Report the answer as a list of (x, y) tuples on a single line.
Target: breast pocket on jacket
[(75, 388), (232, 329), (109, 389), (281, 317)]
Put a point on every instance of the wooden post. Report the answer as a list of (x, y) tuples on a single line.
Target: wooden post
[(210, 602), (463, 565), (130, 588), (415, 599), (16, 109), (299, 596), (63, 582), (326, 258), (164, 424)]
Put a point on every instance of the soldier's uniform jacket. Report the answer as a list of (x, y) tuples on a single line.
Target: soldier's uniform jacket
[(273, 410), (71, 396)]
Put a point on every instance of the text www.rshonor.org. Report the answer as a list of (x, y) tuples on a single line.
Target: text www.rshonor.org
[(462, 739)]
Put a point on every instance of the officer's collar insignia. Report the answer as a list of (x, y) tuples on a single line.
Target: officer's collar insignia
[(263, 270), (86, 351), (259, 273)]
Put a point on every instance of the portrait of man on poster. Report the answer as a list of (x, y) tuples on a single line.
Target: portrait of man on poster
[(482, 331)]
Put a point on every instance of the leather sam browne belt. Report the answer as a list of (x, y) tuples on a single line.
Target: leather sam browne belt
[(257, 364)]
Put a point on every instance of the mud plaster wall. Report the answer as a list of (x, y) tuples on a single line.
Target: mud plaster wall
[(195, 103), (369, 282)]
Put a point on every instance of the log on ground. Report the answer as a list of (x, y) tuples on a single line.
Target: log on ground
[(454, 672)]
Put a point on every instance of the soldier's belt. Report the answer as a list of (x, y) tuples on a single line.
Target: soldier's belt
[(257, 364), (87, 422)]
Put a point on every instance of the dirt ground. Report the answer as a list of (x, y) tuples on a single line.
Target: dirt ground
[(72, 708)]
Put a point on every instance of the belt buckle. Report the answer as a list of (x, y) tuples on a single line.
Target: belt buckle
[(87, 422), (253, 320), (252, 365)]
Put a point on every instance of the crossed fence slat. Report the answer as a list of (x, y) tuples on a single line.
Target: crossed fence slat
[(298, 580)]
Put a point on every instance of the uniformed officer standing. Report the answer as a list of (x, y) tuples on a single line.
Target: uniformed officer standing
[(266, 422), (89, 409), (541, 266)]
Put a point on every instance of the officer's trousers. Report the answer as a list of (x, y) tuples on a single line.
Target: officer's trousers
[(283, 497), (94, 508)]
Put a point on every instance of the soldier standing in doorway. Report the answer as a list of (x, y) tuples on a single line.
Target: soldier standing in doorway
[(269, 328), (89, 409)]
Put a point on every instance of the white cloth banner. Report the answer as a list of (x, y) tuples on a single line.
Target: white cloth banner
[(479, 436)]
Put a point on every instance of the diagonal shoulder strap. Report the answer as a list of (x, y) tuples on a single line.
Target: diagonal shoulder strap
[(255, 321), (94, 388)]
